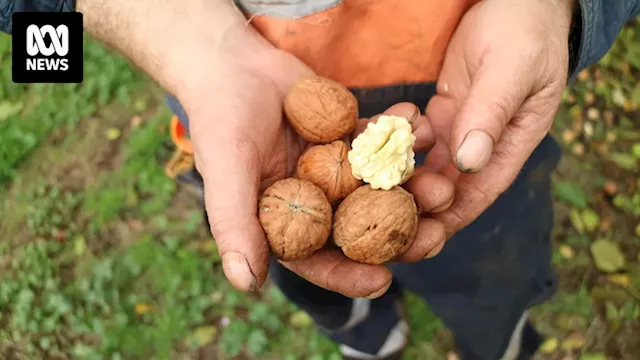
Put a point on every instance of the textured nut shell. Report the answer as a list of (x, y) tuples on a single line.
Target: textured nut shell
[(321, 110), (373, 226), (296, 218), (329, 169)]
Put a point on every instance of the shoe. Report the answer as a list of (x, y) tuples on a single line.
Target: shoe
[(396, 342)]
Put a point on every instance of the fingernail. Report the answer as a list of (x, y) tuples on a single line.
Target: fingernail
[(475, 151), (379, 293), (435, 251), (237, 270), (414, 116)]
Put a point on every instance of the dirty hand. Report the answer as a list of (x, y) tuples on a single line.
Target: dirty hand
[(242, 145), (501, 84)]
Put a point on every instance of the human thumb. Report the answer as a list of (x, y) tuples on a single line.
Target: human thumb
[(230, 167), (498, 89)]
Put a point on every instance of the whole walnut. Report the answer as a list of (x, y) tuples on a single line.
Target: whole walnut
[(321, 110), (328, 168), (373, 226), (296, 217)]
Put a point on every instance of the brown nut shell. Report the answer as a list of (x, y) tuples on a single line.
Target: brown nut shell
[(374, 226), (296, 217), (329, 169), (321, 110)]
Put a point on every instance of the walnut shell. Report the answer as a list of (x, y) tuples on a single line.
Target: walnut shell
[(296, 217), (374, 226), (329, 169), (321, 110)]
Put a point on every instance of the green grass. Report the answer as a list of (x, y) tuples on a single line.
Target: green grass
[(104, 257)]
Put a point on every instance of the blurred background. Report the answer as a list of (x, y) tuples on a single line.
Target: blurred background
[(102, 256)]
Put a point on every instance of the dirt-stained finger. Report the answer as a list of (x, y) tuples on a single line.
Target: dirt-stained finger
[(331, 270), (432, 192), (431, 234)]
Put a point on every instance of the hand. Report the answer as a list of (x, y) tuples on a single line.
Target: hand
[(501, 84), (242, 145)]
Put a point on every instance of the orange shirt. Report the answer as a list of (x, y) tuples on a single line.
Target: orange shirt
[(366, 43)]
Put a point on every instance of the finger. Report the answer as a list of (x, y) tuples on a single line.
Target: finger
[(231, 181), (331, 270), (429, 241), (419, 124), (497, 91), (476, 192), (432, 192)]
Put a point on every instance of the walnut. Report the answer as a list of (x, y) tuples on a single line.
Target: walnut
[(296, 217), (321, 110), (373, 226), (382, 155), (328, 168)]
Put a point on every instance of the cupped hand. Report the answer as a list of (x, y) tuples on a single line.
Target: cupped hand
[(242, 145), (501, 84)]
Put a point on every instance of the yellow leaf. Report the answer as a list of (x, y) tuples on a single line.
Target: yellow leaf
[(143, 308), (573, 342), (607, 255), (202, 336), (619, 279), (566, 251), (79, 245), (113, 133), (548, 346)]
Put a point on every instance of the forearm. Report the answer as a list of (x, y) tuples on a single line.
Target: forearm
[(163, 37)]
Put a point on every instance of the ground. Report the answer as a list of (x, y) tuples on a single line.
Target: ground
[(105, 257)]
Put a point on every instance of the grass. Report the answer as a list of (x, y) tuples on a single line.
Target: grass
[(104, 257)]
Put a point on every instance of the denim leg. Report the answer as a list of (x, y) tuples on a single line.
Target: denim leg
[(491, 272)]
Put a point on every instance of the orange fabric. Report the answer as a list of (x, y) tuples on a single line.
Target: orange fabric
[(179, 136), (365, 43)]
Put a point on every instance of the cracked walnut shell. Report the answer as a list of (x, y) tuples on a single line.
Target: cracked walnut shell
[(373, 226), (328, 168), (296, 217), (321, 110)]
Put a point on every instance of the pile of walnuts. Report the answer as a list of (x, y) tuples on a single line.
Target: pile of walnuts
[(343, 194)]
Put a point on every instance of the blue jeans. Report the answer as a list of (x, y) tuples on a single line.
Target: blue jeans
[(482, 283)]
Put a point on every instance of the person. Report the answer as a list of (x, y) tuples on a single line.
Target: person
[(481, 81)]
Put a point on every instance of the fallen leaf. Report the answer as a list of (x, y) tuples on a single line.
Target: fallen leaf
[(142, 308), (611, 188), (548, 346), (590, 219), (619, 279), (625, 161), (201, 336), (607, 255), (578, 149), (568, 136), (300, 319), (570, 193), (452, 356), (136, 121), (113, 134), (595, 356), (618, 97), (79, 245), (8, 109), (576, 220), (575, 341), (635, 150), (566, 251)]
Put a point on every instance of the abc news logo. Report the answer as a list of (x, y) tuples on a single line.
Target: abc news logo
[(37, 46), (47, 47)]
